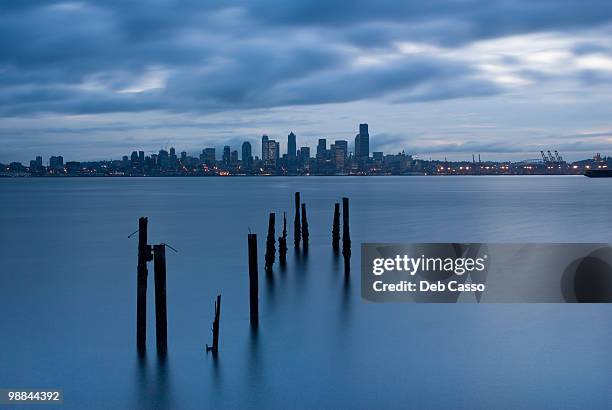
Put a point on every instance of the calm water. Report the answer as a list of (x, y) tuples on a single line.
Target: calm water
[(68, 290)]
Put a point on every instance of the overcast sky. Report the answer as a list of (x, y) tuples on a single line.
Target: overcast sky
[(96, 80)]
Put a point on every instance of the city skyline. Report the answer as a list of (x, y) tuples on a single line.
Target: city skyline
[(335, 158), (506, 79)]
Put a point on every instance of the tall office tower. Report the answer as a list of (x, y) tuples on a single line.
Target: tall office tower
[(208, 156), (226, 155), (362, 142), (291, 147), (321, 148), (141, 157), (341, 144), (339, 156), (305, 153), (264, 148), (234, 157), (162, 159), (247, 154), (134, 158), (184, 157), (39, 161), (172, 151)]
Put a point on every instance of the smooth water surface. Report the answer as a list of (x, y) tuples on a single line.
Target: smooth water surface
[(68, 296)]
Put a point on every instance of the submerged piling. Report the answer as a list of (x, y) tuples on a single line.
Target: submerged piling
[(215, 329), (336, 228), (161, 319), (253, 280), (346, 236), (144, 255), (296, 224), (282, 242), (270, 243), (305, 233)]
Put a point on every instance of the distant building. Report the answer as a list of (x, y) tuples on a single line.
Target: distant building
[(339, 157), (162, 159), (134, 158), (362, 142), (226, 155), (208, 156), (234, 157), (321, 149), (291, 147), (56, 162), (264, 148), (270, 151), (247, 155), (304, 154), (343, 145), (275, 151)]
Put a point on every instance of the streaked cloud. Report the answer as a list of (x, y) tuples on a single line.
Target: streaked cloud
[(522, 68)]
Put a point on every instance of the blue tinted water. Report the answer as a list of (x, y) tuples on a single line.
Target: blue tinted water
[(68, 292)]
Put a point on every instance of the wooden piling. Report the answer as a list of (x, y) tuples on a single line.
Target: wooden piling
[(282, 242), (296, 224), (336, 228), (305, 233), (253, 280), (144, 255), (161, 319), (270, 242), (346, 236), (215, 329)]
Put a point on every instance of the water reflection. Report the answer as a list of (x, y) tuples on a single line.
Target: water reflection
[(153, 390)]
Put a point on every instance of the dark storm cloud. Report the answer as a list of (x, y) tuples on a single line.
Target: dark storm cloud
[(86, 57)]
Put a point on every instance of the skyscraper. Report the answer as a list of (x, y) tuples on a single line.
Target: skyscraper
[(208, 156), (134, 158), (321, 148), (226, 155), (291, 147), (362, 142), (343, 145), (247, 151), (264, 148), (234, 157), (247, 155)]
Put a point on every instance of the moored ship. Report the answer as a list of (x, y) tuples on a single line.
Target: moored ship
[(598, 173)]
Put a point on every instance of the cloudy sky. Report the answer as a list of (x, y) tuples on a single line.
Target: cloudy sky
[(96, 80)]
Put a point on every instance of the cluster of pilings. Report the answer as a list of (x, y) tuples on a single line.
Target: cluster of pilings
[(157, 254), (146, 253)]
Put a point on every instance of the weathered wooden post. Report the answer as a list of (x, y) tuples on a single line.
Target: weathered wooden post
[(346, 236), (270, 243), (282, 242), (305, 233), (253, 280), (144, 255), (336, 228), (215, 329), (296, 224), (161, 319)]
